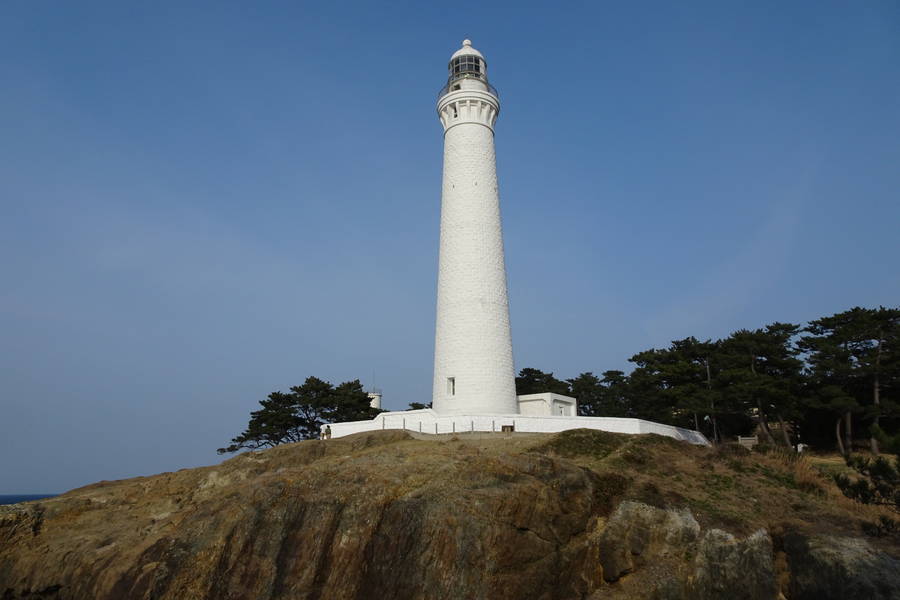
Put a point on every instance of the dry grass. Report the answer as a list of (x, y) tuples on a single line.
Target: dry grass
[(801, 469), (728, 486)]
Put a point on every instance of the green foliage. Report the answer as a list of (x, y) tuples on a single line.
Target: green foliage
[(779, 381), (760, 374), (889, 443), (878, 481), (606, 397), (533, 381), (677, 382), (589, 392), (418, 405), (853, 372), (348, 402), (299, 414)]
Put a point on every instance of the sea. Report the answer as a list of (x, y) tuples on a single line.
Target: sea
[(14, 498)]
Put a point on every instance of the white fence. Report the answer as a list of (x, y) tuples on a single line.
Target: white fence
[(426, 421)]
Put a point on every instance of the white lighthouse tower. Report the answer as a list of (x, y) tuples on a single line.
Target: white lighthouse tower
[(474, 381), (473, 361)]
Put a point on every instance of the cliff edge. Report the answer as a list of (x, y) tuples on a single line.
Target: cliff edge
[(386, 515)]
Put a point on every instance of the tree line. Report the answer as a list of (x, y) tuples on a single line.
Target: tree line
[(832, 383)]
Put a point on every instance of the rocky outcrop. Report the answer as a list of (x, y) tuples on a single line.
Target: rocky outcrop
[(826, 567), (727, 567), (714, 565), (382, 515), (637, 532)]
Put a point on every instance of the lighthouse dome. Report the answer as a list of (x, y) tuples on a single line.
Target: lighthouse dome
[(467, 50)]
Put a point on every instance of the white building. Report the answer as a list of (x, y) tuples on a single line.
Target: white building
[(374, 398), (474, 377), (547, 405)]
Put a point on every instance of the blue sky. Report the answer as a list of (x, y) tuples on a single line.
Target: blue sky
[(204, 202)]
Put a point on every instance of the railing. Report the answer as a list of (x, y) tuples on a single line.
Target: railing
[(446, 89)]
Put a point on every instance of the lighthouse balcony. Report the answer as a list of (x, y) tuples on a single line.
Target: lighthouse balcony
[(455, 109), (468, 82)]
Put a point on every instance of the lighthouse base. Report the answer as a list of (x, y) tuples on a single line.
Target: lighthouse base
[(427, 421)]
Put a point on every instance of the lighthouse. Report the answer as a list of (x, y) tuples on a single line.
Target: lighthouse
[(473, 359), (474, 382)]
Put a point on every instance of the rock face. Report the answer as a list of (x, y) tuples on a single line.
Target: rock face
[(840, 567), (727, 567), (638, 535), (637, 531), (382, 516)]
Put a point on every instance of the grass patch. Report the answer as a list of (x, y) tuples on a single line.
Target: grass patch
[(736, 465), (882, 527), (654, 439), (776, 476), (582, 442), (649, 493), (635, 455), (795, 471), (718, 482)]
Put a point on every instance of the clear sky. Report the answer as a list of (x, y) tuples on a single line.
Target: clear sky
[(203, 202)]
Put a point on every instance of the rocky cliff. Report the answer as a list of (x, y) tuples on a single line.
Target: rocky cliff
[(384, 515)]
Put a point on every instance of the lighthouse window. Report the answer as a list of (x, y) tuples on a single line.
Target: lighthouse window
[(466, 64), (451, 386)]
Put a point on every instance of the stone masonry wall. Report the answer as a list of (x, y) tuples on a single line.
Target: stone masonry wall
[(473, 343)]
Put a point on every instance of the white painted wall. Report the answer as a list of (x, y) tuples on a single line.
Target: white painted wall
[(564, 409), (473, 344), (547, 404), (534, 407), (429, 421)]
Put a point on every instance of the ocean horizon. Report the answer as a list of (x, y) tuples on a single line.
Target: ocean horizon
[(15, 498)]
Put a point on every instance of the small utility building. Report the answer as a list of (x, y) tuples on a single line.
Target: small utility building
[(547, 405)]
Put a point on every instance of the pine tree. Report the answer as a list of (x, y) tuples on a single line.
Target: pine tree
[(854, 358), (300, 414), (761, 375), (535, 381), (674, 385)]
